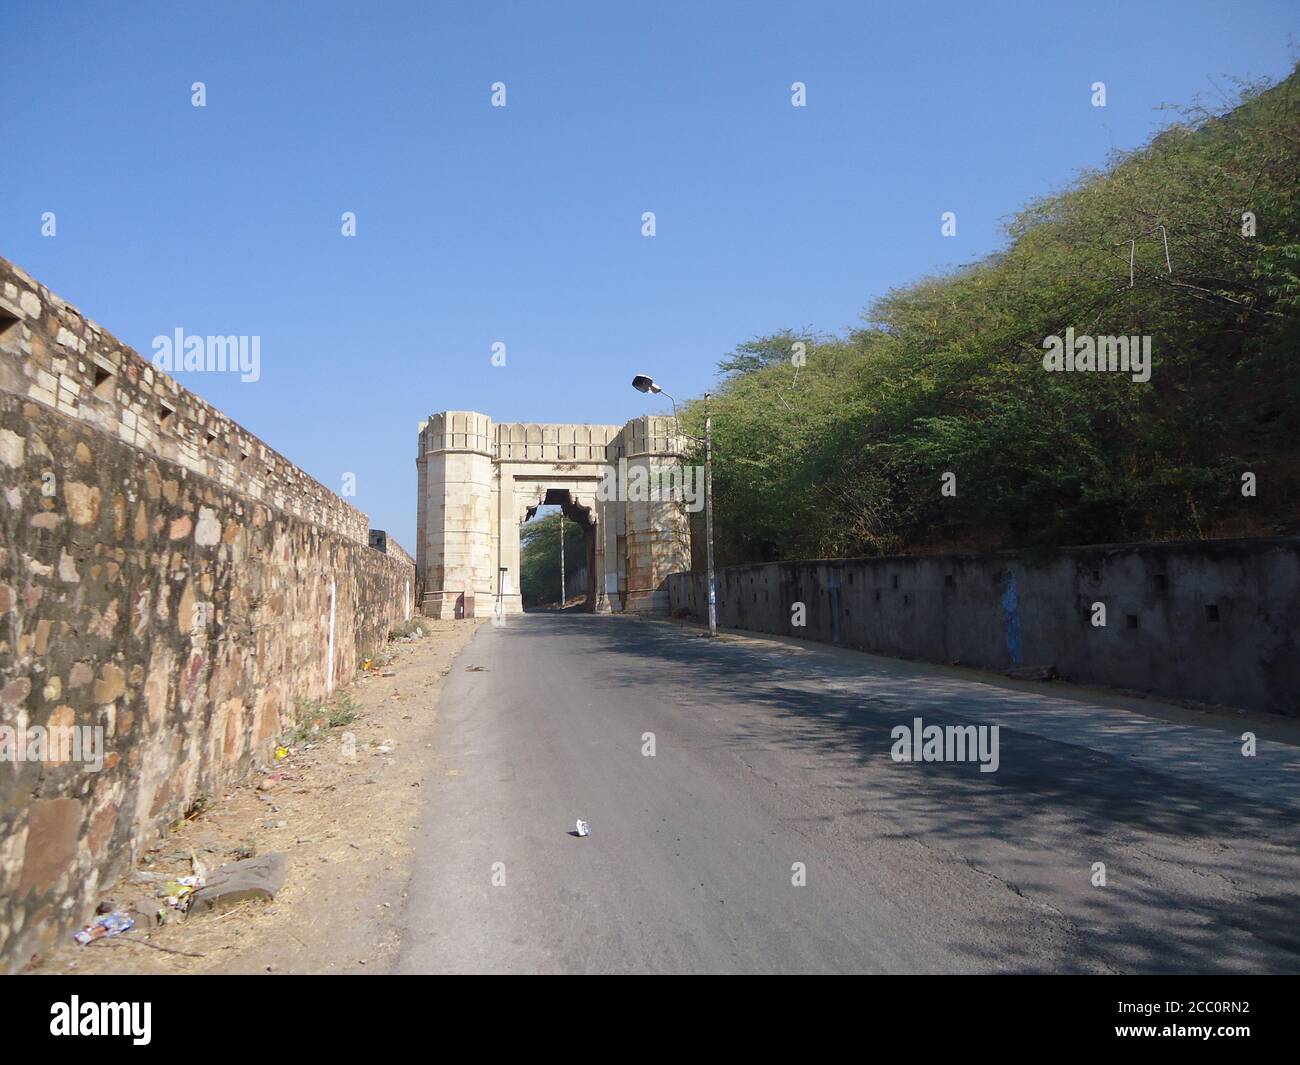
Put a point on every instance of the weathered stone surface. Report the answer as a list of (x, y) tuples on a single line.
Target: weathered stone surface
[(254, 878), (53, 828), (187, 607), (83, 502), (11, 448), (100, 831), (68, 568), (208, 530), (111, 684)]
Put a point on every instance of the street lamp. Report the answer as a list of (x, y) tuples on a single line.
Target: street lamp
[(642, 383)]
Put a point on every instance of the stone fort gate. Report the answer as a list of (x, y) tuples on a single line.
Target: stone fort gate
[(480, 481)]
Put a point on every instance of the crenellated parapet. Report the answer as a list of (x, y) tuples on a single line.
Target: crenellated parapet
[(480, 480)]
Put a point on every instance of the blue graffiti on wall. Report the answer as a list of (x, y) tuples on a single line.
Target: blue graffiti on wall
[(1011, 620)]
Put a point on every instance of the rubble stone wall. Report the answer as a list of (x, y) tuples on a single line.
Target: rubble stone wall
[(164, 577)]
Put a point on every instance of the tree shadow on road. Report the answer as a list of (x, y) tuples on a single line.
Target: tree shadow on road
[(1198, 878)]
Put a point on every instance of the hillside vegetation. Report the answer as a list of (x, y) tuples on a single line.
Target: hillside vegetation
[(846, 454)]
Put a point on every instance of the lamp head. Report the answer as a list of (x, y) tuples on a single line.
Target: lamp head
[(642, 383)]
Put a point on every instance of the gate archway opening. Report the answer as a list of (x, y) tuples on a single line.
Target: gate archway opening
[(580, 579)]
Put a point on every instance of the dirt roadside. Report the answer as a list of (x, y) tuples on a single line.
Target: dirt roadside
[(345, 823)]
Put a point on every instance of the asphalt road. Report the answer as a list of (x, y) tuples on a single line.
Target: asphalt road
[(767, 756)]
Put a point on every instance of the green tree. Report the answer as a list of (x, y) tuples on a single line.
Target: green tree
[(846, 454), (539, 562)]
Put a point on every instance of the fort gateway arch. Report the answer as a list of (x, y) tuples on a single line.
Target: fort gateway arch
[(480, 480)]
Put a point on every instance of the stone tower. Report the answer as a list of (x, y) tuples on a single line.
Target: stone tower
[(479, 481)]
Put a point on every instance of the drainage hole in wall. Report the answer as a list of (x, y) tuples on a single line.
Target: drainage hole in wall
[(102, 382)]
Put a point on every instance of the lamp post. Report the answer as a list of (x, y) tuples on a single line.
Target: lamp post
[(563, 596), (708, 512), (642, 383)]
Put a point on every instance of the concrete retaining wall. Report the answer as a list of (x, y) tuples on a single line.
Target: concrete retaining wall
[(1215, 621)]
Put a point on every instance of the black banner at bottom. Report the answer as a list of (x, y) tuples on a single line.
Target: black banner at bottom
[(185, 1015)]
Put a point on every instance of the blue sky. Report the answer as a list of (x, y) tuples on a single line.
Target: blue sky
[(522, 224)]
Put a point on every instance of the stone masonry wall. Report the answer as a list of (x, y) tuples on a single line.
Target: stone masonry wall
[(180, 593), (1216, 621), (52, 354)]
